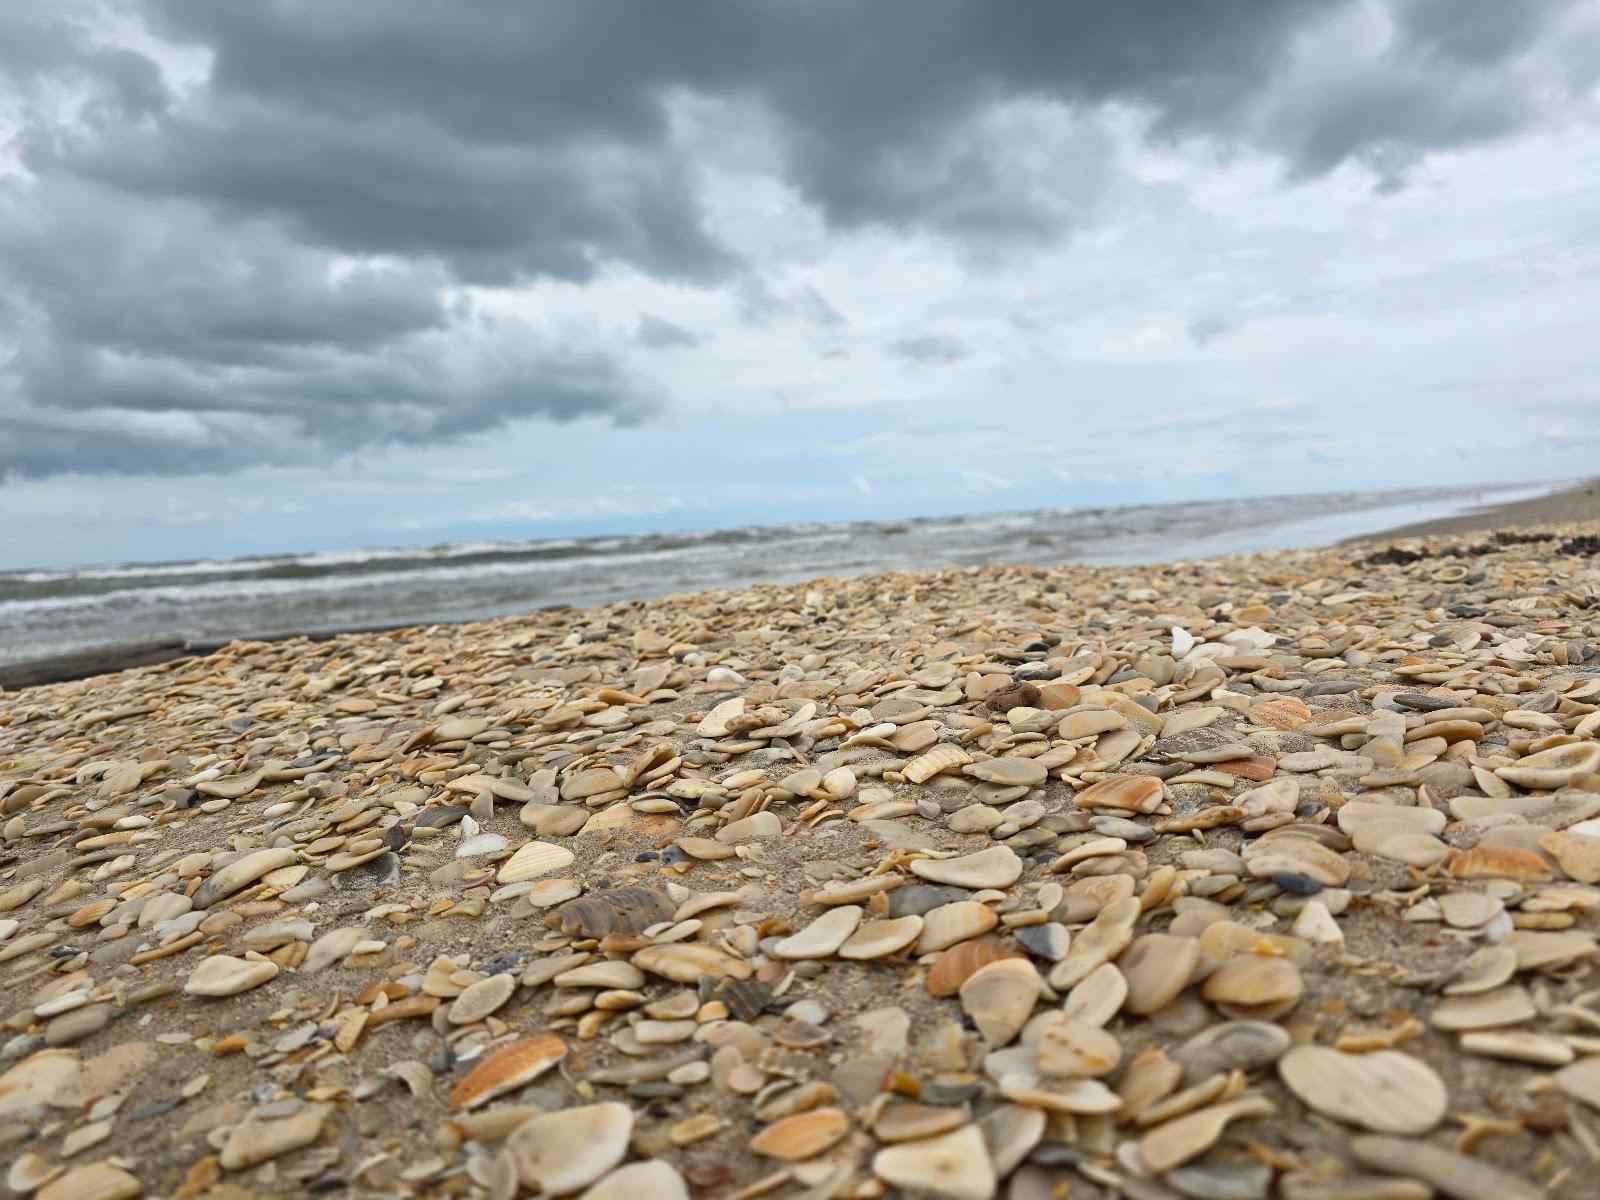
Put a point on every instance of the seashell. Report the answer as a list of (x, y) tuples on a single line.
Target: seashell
[(611, 973), (240, 873), (1131, 793), (507, 1069), (1384, 1090), (957, 964), (34, 1082), (481, 998), (943, 757), (629, 910), (1252, 981), (746, 998), (1484, 1010), (1097, 997), (560, 1152), (687, 962), (1099, 942), (1009, 772), (822, 937), (654, 1179), (996, 867), (878, 939), (948, 924), (1179, 1140), (224, 975), (999, 997), (1157, 967), (955, 1166), (801, 1136), (535, 858), (1077, 1097), (1076, 1049)]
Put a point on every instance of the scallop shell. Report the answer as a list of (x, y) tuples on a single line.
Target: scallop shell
[(629, 910), (944, 757)]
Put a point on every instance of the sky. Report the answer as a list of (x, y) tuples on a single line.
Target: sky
[(289, 275)]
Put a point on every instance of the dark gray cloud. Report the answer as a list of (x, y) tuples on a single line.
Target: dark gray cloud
[(268, 261), (660, 334), (931, 348)]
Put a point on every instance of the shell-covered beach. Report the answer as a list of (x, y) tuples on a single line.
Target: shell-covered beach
[(1267, 876)]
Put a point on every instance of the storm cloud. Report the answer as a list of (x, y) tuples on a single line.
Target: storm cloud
[(264, 232)]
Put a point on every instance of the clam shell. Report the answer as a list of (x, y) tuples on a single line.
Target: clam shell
[(481, 998), (1000, 997), (996, 867), (822, 937), (534, 859), (560, 1152), (801, 1136), (878, 939), (687, 962), (507, 1069), (957, 964), (1384, 1091)]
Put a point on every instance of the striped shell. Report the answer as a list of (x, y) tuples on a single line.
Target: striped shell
[(943, 757)]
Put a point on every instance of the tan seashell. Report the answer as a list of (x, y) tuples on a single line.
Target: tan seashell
[(1157, 967), (1384, 1091), (948, 924), (629, 910), (655, 1179), (955, 1166), (1099, 942), (533, 859), (560, 1152), (224, 975), (822, 937), (1097, 997), (481, 998), (943, 757), (507, 1069), (1075, 1049), (686, 962), (801, 1136), (878, 939), (996, 867), (999, 997), (1176, 1142), (34, 1082), (1251, 981)]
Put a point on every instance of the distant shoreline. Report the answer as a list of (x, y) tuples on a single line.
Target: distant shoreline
[(1579, 503)]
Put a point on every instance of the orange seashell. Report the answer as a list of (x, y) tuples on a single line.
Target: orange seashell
[(1498, 862), (1283, 713), (801, 1136), (507, 1068), (1258, 768), (956, 965)]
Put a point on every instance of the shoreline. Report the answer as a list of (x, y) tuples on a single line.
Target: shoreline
[(1575, 504)]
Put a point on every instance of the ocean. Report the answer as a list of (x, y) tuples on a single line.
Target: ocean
[(45, 613)]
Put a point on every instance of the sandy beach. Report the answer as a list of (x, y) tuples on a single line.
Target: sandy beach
[(1265, 876)]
